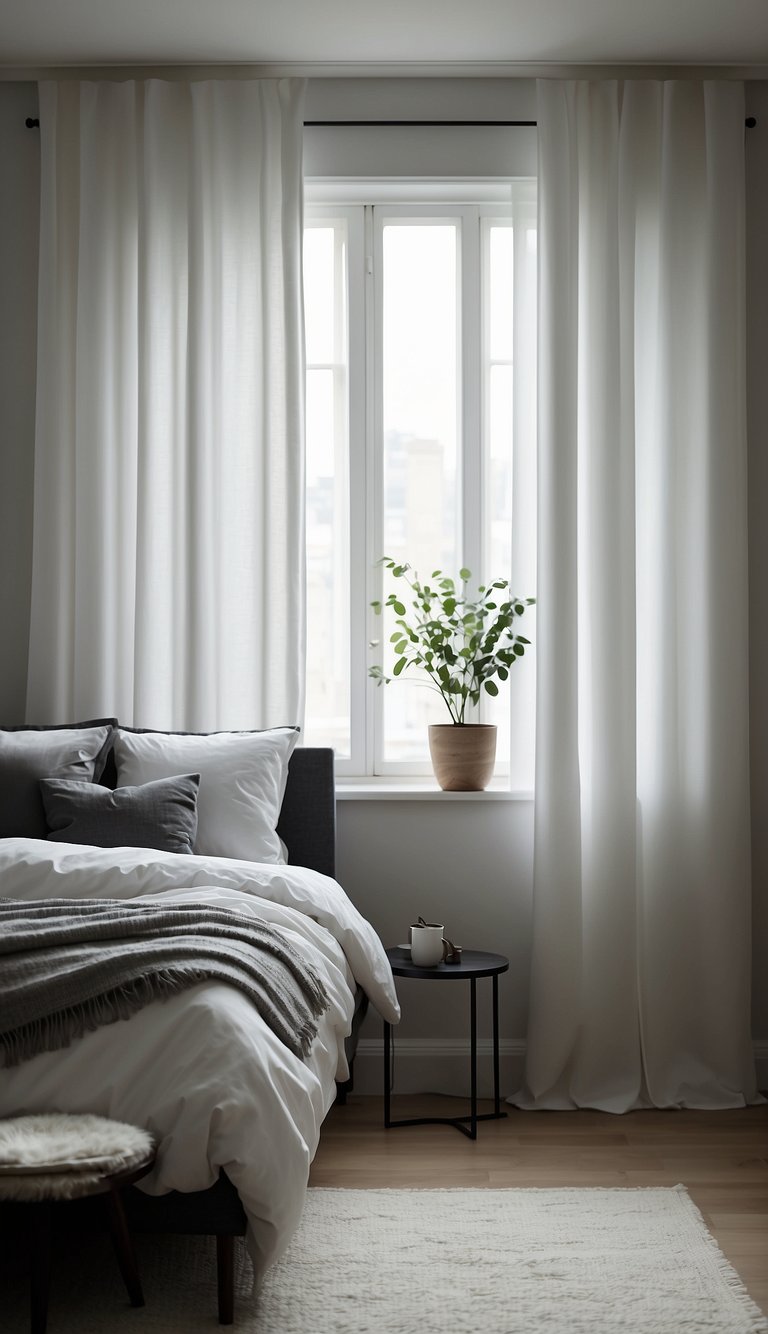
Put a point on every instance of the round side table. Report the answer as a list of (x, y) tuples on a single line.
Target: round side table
[(474, 964)]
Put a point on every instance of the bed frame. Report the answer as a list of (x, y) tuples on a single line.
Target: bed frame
[(307, 826)]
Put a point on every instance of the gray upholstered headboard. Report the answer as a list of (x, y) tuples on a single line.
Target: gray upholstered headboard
[(307, 823)]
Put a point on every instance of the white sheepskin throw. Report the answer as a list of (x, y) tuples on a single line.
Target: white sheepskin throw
[(55, 1156)]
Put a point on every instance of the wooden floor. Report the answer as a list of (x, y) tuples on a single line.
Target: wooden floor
[(721, 1157)]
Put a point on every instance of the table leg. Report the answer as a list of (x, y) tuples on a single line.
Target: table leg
[(496, 1098), (467, 1124), (473, 1053), (387, 1090)]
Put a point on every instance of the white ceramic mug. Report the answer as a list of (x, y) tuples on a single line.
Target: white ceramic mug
[(427, 945)]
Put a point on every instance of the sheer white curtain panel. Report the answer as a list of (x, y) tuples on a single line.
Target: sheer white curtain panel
[(168, 561), (640, 990)]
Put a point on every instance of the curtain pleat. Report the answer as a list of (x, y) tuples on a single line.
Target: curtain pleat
[(640, 986), (168, 565)]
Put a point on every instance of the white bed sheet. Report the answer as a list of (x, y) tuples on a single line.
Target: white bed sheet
[(202, 1071)]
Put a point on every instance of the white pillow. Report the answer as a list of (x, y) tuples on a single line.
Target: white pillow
[(242, 783)]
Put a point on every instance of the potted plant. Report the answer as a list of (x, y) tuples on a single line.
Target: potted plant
[(462, 644)]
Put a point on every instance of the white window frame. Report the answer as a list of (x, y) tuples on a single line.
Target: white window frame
[(365, 204)]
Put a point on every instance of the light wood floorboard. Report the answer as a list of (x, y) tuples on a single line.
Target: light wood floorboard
[(721, 1157)]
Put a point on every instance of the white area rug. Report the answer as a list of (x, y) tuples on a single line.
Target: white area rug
[(406, 1262)]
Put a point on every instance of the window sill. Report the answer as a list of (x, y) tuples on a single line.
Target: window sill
[(419, 789)]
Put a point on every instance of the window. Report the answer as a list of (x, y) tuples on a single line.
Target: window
[(420, 329)]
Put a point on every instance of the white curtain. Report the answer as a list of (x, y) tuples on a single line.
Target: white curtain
[(168, 565), (640, 991)]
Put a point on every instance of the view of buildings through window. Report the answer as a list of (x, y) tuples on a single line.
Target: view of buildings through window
[(327, 498), (421, 427), (437, 489)]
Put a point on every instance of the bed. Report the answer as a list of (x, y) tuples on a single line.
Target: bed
[(237, 1116)]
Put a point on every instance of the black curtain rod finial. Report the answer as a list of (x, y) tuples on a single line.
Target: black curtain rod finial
[(32, 123)]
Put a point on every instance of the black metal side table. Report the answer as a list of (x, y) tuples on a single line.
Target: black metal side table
[(474, 964)]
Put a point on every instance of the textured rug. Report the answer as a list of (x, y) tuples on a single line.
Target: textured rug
[(400, 1262)]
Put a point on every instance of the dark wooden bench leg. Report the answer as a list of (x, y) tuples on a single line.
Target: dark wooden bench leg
[(123, 1243), (225, 1273), (40, 1257)]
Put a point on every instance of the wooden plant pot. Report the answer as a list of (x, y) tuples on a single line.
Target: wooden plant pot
[(463, 755)]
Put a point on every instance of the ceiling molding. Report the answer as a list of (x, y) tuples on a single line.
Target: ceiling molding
[(387, 70)]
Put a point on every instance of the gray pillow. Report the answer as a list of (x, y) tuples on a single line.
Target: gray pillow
[(28, 754), (161, 814)]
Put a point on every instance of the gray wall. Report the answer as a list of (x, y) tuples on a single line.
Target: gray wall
[(19, 174), (468, 863), (757, 407)]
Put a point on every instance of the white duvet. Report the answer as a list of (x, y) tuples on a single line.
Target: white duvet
[(202, 1071)]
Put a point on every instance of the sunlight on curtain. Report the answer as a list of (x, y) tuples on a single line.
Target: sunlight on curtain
[(640, 990), (168, 568)]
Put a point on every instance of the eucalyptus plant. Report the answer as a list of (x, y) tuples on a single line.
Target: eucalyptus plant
[(462, 643)]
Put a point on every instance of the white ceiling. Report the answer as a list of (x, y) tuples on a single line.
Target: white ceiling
[(406, 32)]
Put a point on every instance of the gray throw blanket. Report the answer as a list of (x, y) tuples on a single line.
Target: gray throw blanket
[(69, 965)]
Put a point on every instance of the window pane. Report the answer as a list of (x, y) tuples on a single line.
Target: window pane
[(420, 398), (319, 293), (499, 505), (499, 294), (327, 492), (502, 273)]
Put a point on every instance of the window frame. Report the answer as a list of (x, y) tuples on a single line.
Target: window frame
[(365, 205)]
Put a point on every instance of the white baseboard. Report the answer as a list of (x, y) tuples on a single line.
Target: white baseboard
[(427, 1065), (423, 1065)]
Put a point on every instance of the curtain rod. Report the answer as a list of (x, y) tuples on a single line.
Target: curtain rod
[(750, 122), (356, 123), (33, 123)]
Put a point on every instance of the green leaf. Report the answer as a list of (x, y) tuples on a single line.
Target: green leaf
[(376, 607), (449, 606), (518, 652), (398, 667), (464, 573), (399, 608), (490, 686)]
